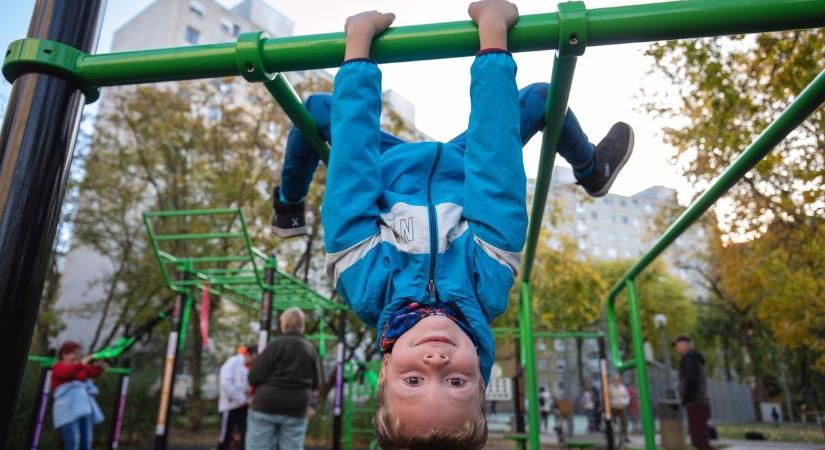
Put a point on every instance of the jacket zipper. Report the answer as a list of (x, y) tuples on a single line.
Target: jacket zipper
[(433, 229)]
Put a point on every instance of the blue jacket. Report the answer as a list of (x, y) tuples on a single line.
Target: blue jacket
[(427, 220), (74, 400)]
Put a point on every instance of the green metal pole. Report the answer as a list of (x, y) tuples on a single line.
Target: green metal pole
[(563, 69), (808, 101), (648, 425), (572, 21), (291, 103), (623, 24), (529, 361)]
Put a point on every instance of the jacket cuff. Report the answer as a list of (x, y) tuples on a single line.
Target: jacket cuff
[(492, 50), (354, 60)]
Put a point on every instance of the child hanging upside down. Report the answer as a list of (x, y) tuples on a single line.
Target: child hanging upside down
[(423, 239)]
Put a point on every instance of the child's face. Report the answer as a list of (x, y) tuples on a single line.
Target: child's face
[(432, 377)]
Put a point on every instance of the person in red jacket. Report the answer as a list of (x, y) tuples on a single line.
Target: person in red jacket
[(74, 408), (70, 366)]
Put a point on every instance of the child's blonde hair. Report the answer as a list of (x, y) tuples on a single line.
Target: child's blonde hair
[(472, 436)]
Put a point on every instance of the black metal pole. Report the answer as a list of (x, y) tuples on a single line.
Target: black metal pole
[(266, 305), (169, 369), (120, 407), (605, 400), (518, 404), (36, 145), (338, 401)]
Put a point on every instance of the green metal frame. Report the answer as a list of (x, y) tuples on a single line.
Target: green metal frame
[(570, 31), (808, 101), (370, 388), (606, 26), (237, 277), (47, 362)]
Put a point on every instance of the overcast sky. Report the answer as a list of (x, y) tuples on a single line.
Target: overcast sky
[(607, 86)]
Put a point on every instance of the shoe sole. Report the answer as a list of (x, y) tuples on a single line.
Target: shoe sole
[(601, 192), (290, 232)]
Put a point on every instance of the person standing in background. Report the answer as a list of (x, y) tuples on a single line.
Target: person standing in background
[(633, 409), (75, 410), (619, 400), (233, 400), (693, 390), (285, 378)]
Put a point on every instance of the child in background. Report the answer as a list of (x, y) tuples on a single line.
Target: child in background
[(423, 240)]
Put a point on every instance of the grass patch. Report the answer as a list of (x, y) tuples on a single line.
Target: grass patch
[(788, 432)]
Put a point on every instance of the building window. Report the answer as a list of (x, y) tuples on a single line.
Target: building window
[(226, 26), (236, 29), (625, 220), (196, 8), (594, 215), (213, 114), (611, 252), (622, 202), (649, 208), (192, 35)]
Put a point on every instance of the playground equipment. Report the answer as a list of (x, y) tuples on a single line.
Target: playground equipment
[(520, 436), (361, 382), (226, 264), (53, 73)]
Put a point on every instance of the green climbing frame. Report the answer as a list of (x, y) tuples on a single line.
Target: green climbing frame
[(224, 261), (237, 276)]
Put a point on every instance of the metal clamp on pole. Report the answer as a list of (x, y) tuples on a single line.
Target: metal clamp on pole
[(572, 28), (249, 56), (32, 55)]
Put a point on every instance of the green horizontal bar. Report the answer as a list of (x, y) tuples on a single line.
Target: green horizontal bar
[(550, 334), (616, 25), (45, 361), (118, 370), (214, 259), (219, 271), (808, 101), (192, 212), (192, 236), (317, 337)]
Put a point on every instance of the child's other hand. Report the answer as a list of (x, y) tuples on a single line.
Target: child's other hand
[(368, 23), (361, 28), (493, 13)]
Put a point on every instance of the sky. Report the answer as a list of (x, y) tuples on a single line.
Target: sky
[(607, 86)]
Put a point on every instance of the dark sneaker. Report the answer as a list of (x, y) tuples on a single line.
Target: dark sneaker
[(611, 155), (288, 219)]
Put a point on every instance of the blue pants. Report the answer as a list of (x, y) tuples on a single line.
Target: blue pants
[(300, 161), (77, 435), (274, 431)]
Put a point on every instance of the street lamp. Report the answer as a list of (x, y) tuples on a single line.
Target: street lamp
[(660, 320)]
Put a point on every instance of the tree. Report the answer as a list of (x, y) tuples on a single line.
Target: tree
[(767, 268)]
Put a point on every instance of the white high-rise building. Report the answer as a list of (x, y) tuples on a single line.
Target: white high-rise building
[(620, 227)]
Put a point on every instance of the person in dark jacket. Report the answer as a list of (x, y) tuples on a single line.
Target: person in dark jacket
[(284, 378), (693, 391)]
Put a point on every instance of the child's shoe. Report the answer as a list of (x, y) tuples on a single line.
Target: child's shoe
[(610, 156), (288, 219)]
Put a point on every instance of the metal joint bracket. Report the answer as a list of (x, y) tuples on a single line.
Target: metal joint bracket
[(249, 56), (572, 28), (32, 55)]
